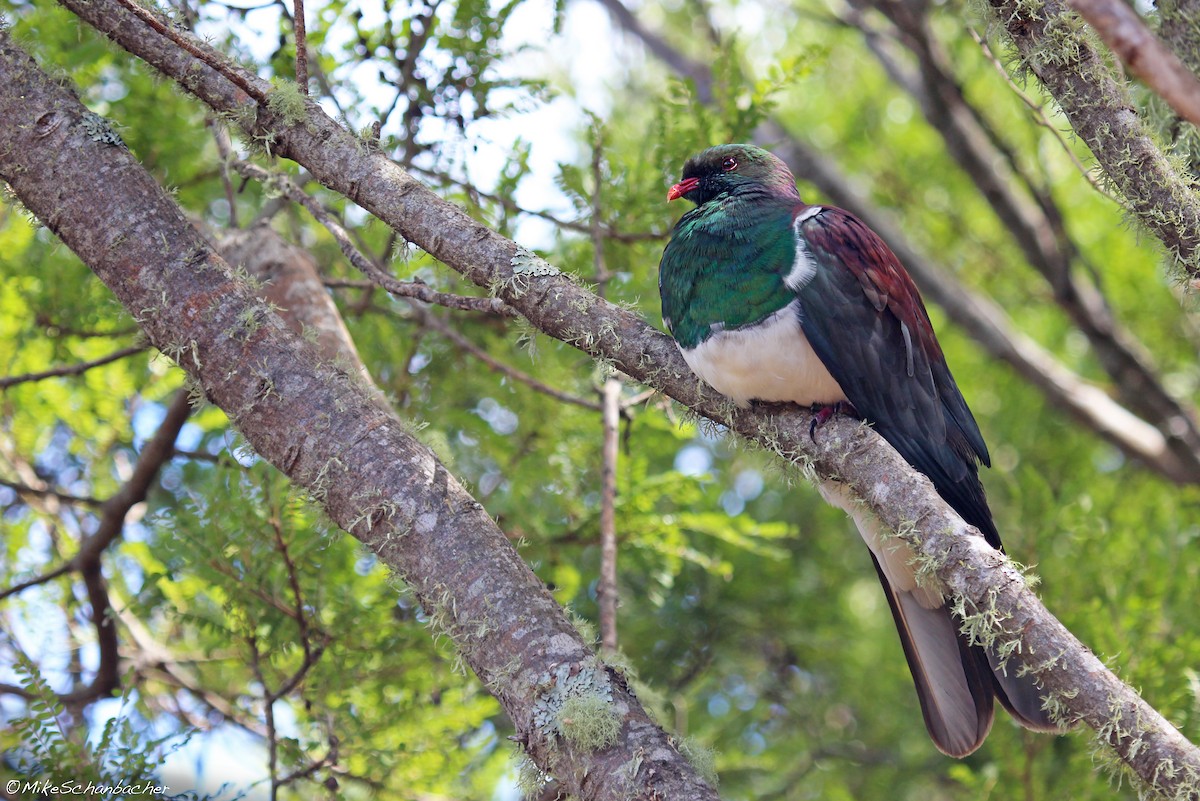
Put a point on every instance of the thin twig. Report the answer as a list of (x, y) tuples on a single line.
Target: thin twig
[(606, 588), (70, 369), (204, 55), (301, 46), (42, 578), (44, 492), (433, 321), (1039, 116), (268, 714), (225, 150), (512, 205), (57, 329), (154, 455), (365, 265)]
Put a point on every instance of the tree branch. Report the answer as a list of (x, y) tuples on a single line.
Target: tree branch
[(431, 320), (1178, 29), (301, 46), (606, 587), (291, 282), (43, 492), (982, 319), (324, 430), (511, 205), (157, 451), (1164, 200), (416, 516), (1124, 31), (70, 369), (1036, 226), (368, 267)]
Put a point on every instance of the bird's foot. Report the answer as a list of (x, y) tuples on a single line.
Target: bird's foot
[(824, 413)]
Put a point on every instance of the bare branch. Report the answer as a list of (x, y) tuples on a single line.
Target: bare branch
[(606, 588), (401, 289), (43, 492), (38, 580), (225, 148), (301, 46), (157, 451), (71, 369)]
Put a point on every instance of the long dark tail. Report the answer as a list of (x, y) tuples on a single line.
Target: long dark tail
[(955, 680)]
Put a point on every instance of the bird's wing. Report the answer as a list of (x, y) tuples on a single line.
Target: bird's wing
[(864, 318)]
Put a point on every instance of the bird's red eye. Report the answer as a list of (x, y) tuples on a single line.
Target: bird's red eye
[(729, 164)]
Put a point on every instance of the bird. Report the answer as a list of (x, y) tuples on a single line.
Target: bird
[(773, 299)]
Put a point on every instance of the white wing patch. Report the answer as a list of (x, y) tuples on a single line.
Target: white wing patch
[(804, 267)]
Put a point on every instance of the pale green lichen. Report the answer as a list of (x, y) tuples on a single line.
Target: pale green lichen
[(585, 628), (589, 722), (702, 758), (100, 130), (981, 623), (527, 263), (575, 701), (286, 100), (530, 778)]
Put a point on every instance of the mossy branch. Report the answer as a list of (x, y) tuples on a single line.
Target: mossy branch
[(1054, 45)]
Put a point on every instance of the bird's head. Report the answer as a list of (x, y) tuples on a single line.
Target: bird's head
[(732, 169)]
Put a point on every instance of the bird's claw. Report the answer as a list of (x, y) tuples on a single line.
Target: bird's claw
[(823, 414)]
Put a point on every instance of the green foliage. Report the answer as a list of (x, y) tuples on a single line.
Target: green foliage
[(43, 752)]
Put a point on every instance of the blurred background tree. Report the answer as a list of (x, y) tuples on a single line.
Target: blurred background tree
[(173, 607)]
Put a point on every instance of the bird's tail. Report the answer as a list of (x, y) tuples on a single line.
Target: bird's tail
[(1021, 697), (953, 678), (956, 680)]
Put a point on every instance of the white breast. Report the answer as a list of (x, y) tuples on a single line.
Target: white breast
[(771, 361)]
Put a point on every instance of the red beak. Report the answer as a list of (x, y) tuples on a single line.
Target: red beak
[(682, 188)]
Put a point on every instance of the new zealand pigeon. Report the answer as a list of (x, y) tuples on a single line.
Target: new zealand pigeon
[(772, 299)]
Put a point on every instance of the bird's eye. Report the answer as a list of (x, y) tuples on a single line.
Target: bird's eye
[(729, 164)]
